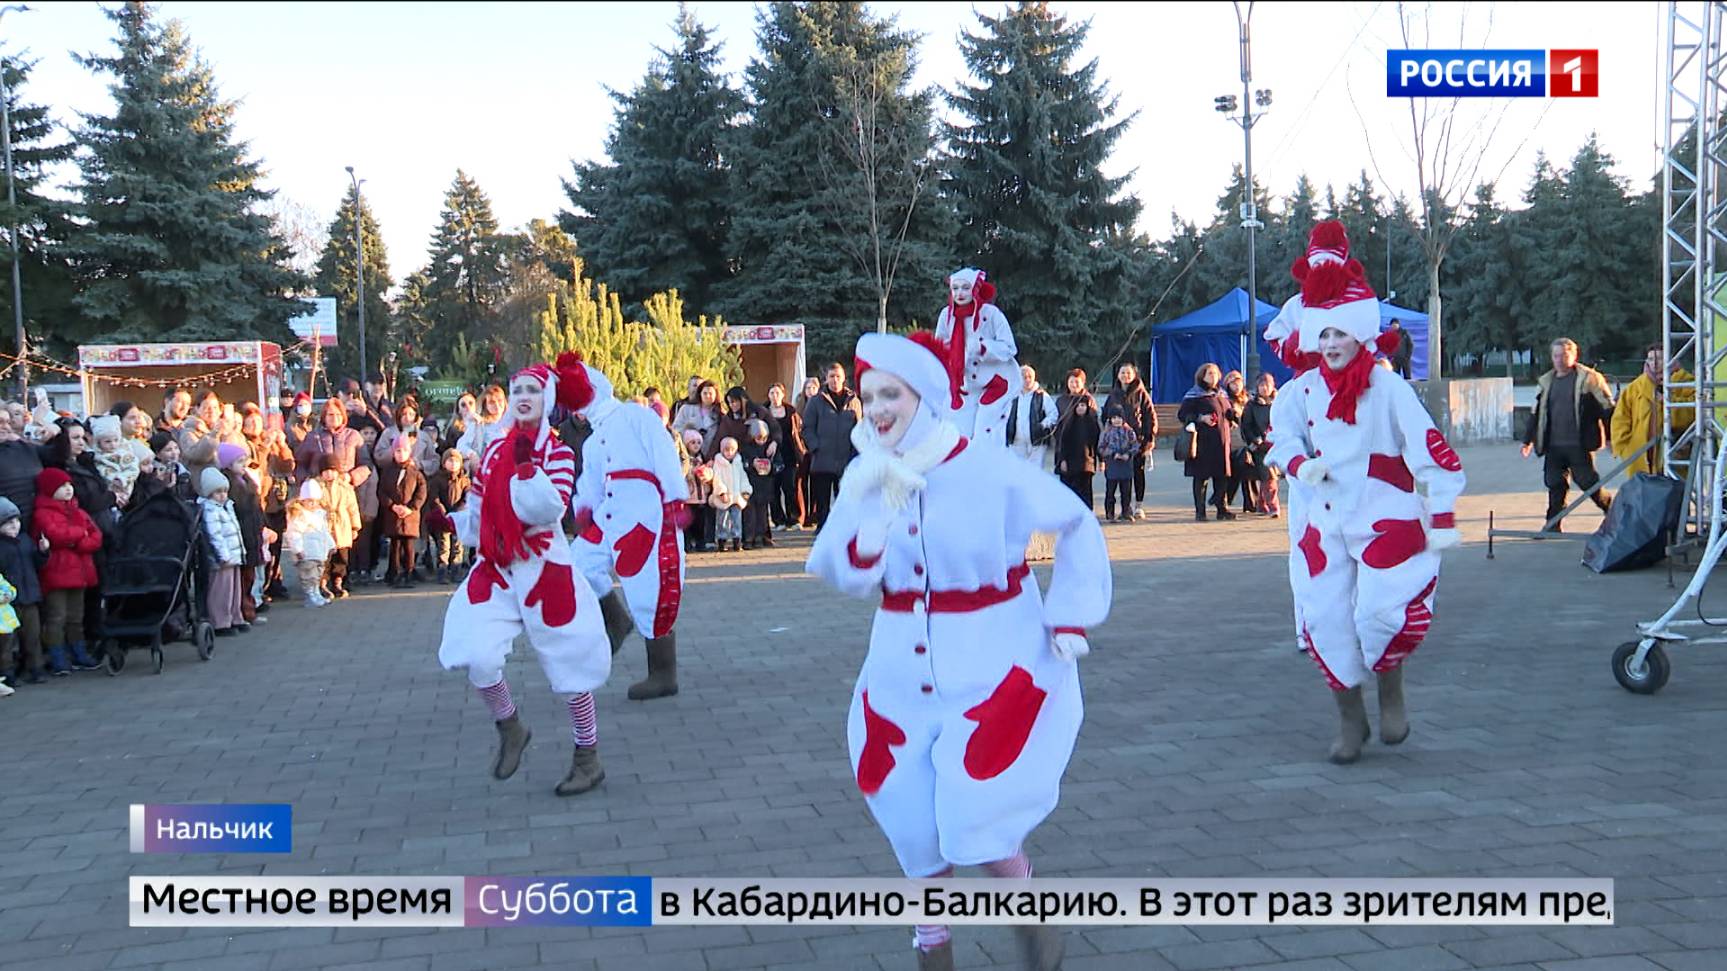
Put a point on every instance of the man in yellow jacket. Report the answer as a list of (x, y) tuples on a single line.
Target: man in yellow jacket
[(1637, 419)]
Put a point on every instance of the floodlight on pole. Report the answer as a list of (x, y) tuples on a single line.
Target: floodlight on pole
[(12, 207)]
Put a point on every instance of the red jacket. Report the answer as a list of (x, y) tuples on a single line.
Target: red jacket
[(72, 540)]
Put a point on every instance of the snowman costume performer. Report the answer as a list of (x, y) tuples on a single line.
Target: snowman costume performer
[(524, 581), (966, 710), (629, 508), (979, 351), (1355, 442)]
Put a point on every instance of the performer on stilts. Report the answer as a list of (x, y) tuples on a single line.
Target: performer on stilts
[(524, 580), (630, 511), (979, 351), (966, 710), (1355, 441)]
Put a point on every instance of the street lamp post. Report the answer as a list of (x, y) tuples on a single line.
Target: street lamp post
[(1226, 105), (359, 271), (12, 207)]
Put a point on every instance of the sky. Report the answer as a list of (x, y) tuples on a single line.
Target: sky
[(513, 92)]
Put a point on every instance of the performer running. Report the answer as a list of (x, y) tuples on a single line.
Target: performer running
[(980, 356), (1354, 441), (524, 581), (966, 710), (629, 510)]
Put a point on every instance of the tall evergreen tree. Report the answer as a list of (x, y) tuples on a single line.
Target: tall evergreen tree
[(655, 215), (468, 271), (792, 226), (1600, 272), (44, 223), (335, 277), (1026, 176), (174, 246)]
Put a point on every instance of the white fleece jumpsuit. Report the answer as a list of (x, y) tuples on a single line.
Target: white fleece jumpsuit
[(990, 375), (963, 718), (1361, 571)]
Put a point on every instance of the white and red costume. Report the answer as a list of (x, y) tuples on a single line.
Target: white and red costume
[(981, 359), (524, 580), (966, 710), (629, 507), (1364, 543)]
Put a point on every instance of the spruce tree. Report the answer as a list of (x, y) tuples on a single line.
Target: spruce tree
[(173, 246), (1026, 176), (793, 225), (335, 278), (43, 223), (656, 214), (1599, 270), (468, 272)]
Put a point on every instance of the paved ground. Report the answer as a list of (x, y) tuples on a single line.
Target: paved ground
[(1201, 757)]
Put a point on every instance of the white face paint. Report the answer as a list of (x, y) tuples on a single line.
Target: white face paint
[(1337, 348), (527, 401), (961, 289), (889, 405)]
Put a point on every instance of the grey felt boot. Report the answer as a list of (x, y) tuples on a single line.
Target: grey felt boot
[(1352, 726), (585, 772), (1040, 946), (938, 958), (1393, 718), (662, 679), (617, 618), (512, 741)]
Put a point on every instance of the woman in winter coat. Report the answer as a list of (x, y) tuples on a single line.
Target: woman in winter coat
[(806, 519), (699, 480), (1240, 463), (787, 505), (735, 420), (70, 452), (71, 539), (248, 510), (1260, 477), (1076, 437), (401, 495), (227, 550), (828, 422), (1133, 398), (464, 414), (968, 705), (447, 495), (425, 443), (273, 465), (339, 441), (1209, 410), (702, 415)]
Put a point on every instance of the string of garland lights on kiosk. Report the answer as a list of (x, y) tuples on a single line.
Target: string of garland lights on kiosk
[(42, 363)]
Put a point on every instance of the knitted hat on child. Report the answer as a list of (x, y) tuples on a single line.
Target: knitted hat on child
[(8, 510), (211, 481), (50, 479)]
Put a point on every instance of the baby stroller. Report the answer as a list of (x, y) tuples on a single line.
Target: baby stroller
[(154, 583)]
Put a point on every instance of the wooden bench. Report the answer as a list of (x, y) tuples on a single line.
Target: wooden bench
[(1166, 423)]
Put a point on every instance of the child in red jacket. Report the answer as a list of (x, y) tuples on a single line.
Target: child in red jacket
[(71, 540)]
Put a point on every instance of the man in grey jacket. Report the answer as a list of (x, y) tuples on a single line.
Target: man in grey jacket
[(829, 418), (1573, 408)]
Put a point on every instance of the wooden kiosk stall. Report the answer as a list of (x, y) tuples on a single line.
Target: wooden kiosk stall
[(770, 353), (239, 371)]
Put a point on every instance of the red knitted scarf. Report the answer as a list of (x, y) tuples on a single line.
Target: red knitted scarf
[(502, 538), (1347, 385)]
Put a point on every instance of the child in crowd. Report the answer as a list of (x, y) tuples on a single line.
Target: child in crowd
[(226, 550), (763, 470), (308, 539), (18, 561), (731, 495), (699, 478), (1118, 446), (344, 509), (8, 624), (115, 460), (446, 495), (368, 551), (401, 495), (71, 539)]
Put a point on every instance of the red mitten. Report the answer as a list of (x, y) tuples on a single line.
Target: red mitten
[(524, 455)]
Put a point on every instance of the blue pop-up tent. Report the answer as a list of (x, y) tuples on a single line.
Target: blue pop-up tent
[(1212, 333)]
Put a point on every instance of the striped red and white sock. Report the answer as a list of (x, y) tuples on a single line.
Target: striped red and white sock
[(927, 937), (497, 698), (583, 725), (1015, 867)]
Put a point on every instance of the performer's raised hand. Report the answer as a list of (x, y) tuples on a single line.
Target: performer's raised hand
[(524, 449), (872, 537)]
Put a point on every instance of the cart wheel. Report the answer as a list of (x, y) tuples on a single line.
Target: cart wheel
[(156, 653), (114, 658), (205, 638), (1645, 680)]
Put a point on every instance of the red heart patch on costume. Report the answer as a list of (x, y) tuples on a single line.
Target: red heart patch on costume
[(1442, 452), (1391, 469), (994, 391), (633, 549), (1310, 548), (1399, 540), (481, 582), (876, 760), (555, 594), (1004, 722)]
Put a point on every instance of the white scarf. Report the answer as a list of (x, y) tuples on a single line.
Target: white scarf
[(899, 475)]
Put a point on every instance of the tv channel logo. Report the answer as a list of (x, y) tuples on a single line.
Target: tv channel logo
[(1554, 73)]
